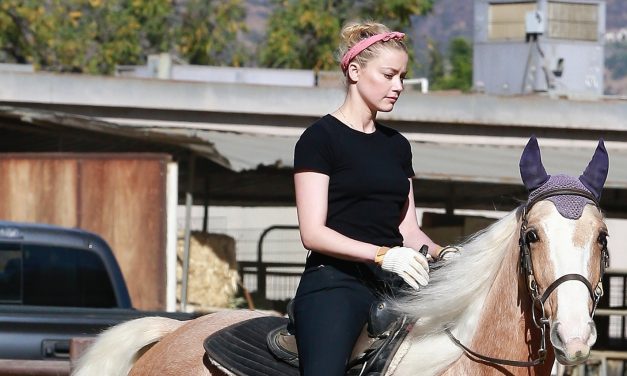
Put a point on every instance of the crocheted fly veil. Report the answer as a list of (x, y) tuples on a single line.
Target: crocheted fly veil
[(537, 181)]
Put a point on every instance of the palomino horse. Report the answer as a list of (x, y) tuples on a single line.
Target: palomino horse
[(533, 274)]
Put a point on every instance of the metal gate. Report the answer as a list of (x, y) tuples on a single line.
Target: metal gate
[(271, 280)]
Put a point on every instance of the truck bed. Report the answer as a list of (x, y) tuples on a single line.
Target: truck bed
[(44, 333)]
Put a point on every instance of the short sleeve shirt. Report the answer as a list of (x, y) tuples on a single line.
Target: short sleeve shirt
[(368, 177)]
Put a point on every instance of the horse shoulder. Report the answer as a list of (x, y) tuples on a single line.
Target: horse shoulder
[(182, 351)]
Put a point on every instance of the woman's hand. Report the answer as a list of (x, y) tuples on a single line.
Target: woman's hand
[(408, 264)]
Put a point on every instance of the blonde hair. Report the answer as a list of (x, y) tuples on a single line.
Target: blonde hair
[(354, 32)]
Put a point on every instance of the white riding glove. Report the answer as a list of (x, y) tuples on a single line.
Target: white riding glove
[(408, 264)]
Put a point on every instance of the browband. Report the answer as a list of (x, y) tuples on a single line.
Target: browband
[(561, 192)]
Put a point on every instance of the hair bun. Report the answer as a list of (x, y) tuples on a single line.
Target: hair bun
[(356, 31)]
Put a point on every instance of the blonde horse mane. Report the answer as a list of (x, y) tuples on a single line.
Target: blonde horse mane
[(454, 287)]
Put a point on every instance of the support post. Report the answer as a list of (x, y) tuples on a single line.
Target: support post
[(189, 199)]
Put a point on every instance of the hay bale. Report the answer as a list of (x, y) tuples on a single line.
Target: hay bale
[(213, 276)]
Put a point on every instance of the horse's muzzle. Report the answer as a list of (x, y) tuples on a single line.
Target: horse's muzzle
[(572, 349)]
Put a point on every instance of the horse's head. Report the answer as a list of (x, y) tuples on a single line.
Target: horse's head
[(564, 250)]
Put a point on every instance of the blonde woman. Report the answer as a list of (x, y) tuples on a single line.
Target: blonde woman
[(355, 203)]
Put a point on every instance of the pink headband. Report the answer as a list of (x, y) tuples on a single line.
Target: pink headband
[(365, 43)]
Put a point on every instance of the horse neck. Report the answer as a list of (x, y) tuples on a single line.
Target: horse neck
[(506, 328)]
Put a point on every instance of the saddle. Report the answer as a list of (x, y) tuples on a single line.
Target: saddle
[(266, 346)]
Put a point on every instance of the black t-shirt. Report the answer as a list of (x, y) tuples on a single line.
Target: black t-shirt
[(368, 177)]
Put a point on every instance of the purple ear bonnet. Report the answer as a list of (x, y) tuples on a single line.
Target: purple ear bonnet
[(595, 174), (537, 181), (569, 206), (531, 169)]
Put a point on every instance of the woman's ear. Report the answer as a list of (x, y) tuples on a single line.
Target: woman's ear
[(353, 72)]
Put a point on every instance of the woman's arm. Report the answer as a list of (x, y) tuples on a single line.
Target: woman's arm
[(413, 236), (311, 203)]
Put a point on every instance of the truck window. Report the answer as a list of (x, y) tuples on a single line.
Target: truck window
[(55, 276), (10, 273)]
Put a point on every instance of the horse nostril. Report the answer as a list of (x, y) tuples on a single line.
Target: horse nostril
[(556, 338), (592, 337)]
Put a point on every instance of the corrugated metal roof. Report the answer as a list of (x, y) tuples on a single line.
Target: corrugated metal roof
[(245, 151), (451, 162), (499, 164), (240, 151), (74, 130)]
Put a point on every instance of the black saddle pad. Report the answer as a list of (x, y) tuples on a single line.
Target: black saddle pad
[(242, 348)]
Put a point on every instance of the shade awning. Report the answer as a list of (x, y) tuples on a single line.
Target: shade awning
[(432, 161), (252, 165)]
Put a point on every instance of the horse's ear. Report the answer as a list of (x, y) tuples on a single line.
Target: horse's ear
[(595, 174), (531, 169)]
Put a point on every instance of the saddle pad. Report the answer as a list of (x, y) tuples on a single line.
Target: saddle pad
[(242, 349)]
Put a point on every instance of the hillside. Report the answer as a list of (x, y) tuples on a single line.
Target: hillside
[(616, 15)]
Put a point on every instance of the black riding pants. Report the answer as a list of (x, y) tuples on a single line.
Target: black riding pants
[(330, 310)]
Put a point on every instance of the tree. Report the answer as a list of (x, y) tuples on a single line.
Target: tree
[(93, 36), (301, 34), (436, 65), (124, 32), (394, 13), (616, 59), (304, 33), (459, 75), (460, 56), (83, 36), (209, 31)]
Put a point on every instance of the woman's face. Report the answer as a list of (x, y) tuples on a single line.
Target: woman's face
[(380, 82)]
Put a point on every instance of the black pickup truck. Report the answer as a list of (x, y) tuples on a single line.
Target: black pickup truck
[(57, 284)]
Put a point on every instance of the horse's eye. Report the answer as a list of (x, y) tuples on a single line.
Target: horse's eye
[(531, 236), (603, 238)]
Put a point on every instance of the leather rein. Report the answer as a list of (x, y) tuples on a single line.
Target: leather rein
[(542, 322)]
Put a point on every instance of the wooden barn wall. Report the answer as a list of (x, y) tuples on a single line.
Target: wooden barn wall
[(35, 190), (120, 197)]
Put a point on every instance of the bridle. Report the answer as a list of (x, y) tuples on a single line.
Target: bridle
[(542, 322)]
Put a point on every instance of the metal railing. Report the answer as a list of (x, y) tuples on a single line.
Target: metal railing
[(284, 275), (611, 316)]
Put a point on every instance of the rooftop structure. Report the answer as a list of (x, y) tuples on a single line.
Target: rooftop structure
[(543, 46)]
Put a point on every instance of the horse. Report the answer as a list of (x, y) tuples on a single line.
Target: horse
[(533, 274)]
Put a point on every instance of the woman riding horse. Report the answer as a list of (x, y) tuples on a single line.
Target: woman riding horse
[(534, 274)]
